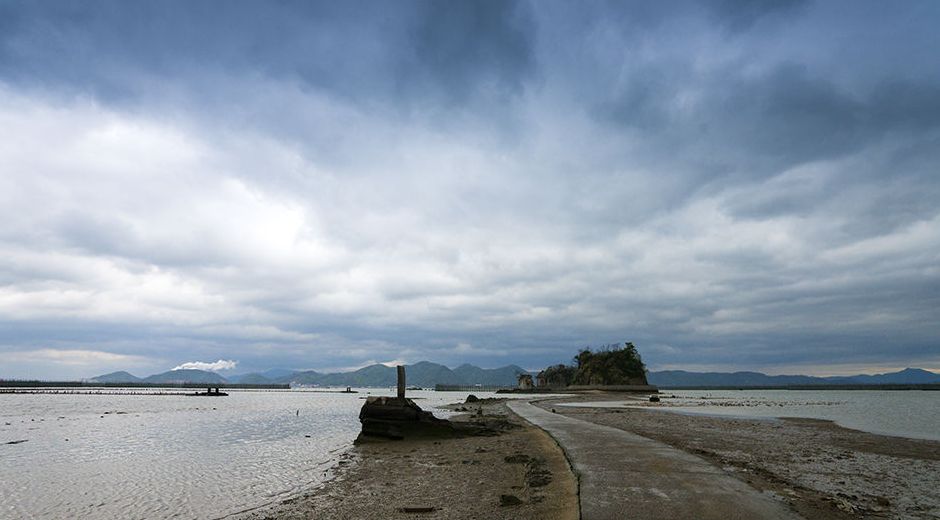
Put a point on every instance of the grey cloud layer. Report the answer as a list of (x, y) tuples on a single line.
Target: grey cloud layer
[(728, 184), (354, 50)]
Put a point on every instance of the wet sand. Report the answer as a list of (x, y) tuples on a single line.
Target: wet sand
[(819, 469), (520, 473)]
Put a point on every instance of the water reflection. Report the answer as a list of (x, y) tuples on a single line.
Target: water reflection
[(133, 456)]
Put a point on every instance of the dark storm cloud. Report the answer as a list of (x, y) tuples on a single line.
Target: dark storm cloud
[(449, 52), (728, 184), (462, 44), (782, 118)]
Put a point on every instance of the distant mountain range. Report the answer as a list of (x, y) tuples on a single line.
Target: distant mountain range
[(426, 374), (681, 378), (117, 377), (423, 374), (172, 376)]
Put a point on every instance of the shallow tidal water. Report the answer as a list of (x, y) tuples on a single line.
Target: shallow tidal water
[(112, 456), (910, 413)]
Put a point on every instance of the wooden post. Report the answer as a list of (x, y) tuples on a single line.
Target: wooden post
[(401, 382)]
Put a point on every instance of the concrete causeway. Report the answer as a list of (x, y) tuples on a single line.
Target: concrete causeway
[(622, 475)]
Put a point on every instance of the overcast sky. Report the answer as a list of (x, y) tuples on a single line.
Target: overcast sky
[(728, 184)]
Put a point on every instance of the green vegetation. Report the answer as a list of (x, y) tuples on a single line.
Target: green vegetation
[(613, 364), (557, 376)]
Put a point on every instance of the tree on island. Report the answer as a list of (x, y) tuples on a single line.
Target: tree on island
[(613, 364), (556, 376)]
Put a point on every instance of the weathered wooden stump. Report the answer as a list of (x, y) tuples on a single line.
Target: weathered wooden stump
[(401, 381)]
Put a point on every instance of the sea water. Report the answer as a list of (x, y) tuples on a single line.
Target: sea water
[(113, 456), (910, 413)]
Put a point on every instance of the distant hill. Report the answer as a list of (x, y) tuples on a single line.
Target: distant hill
[(372, 375), (681, 378), (250, 379), (473, 375), (669, 378), (426, 374), (307, 377), (116, 377), (275, 373), (423, 374), (185, 376), (257, 378), (908, 376)]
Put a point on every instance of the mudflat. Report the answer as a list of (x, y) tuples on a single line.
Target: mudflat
[(817, 468), (520, 473)]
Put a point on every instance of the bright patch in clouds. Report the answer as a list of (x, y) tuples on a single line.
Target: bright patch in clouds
[(222, 364)]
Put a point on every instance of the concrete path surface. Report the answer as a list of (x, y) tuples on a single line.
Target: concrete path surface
[(622, 475)]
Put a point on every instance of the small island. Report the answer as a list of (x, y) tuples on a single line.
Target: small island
[(616, 367)]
